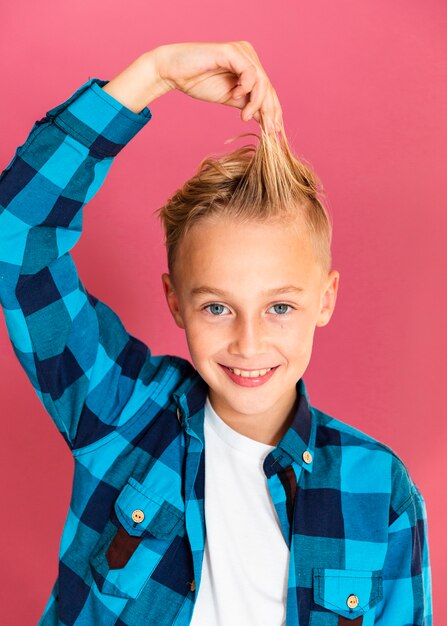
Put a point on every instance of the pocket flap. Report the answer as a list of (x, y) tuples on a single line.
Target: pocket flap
[(142, 511), (349, 593)]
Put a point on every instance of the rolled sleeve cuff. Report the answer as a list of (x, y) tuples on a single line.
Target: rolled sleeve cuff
[(97, 119)]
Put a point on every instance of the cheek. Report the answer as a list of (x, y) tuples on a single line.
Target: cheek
[(200, 337), (296, 340), (308, 337)]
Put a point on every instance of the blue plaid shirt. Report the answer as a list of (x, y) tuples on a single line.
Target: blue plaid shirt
[(132, 546)]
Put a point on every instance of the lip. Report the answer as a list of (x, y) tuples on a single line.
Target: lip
[(245, 369), (248, 382)]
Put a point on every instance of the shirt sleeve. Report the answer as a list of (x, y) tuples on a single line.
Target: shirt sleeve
[(407, 588), (82, 363)]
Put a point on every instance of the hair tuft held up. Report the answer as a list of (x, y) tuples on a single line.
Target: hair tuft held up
[(255, 182)]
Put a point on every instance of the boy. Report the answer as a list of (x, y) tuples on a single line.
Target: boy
[(308, 520)]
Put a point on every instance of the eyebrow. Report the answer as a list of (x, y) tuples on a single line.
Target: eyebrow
[(204, 289)]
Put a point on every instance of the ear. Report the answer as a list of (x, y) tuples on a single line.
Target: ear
[(328, 298), (172, 299)]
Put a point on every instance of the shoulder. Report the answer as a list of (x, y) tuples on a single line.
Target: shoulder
[(169, 370), (179, 370), (365, 463)]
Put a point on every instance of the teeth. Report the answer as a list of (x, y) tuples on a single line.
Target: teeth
[(252, 374)]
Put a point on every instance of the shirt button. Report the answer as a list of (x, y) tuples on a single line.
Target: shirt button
[(137, 516), (193, 585), (352, 601), (307, 457)]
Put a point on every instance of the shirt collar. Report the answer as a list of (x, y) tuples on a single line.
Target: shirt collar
[(297, 444)]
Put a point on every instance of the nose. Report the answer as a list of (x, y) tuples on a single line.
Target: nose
[(249, 339)]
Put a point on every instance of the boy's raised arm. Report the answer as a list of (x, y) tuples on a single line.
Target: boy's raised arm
[(74, 349)]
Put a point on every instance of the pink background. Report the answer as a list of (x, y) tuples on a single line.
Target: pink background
[(363, 91)]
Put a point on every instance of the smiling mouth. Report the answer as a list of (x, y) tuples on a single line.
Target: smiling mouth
[(249, 373)]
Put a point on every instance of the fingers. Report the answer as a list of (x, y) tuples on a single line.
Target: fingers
[(263, 103), (257, 88), (269, 115), (278, 117), (268, 111)]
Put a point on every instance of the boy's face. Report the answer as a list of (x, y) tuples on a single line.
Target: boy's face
[(223, 275)]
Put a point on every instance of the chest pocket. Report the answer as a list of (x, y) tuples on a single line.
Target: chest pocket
[(343, 594), (138, 535)]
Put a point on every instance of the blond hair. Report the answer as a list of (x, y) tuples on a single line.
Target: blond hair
[(260, 183)]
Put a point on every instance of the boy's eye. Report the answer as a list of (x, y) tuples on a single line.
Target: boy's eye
[(216, 309), (283, 308)]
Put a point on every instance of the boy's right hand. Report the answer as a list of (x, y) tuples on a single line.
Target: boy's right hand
[(227, 73)]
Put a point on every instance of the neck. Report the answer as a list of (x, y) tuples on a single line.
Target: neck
[(268, 427)]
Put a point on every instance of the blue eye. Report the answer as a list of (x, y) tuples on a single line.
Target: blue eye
[(215, 309), (283, 305)]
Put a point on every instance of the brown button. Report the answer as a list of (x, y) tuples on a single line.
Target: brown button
[(193, 585), (137, 516), (307, 457), (179, 415), (352, 601)]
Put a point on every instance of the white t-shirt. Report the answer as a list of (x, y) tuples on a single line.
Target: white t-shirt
[(246, 559)]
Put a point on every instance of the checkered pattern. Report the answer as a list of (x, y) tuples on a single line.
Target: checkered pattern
[(132, 545)]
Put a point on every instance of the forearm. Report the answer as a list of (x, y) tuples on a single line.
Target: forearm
[(139, 83)]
